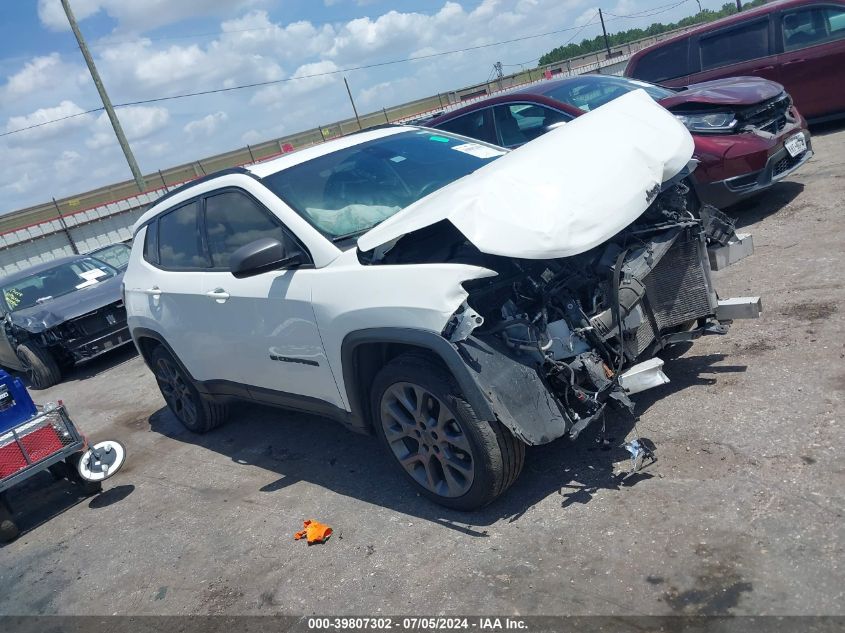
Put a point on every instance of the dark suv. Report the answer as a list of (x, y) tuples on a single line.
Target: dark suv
[(797, 43)]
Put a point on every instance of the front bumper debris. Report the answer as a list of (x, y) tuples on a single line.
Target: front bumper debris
[(739, 308), (738, 248)]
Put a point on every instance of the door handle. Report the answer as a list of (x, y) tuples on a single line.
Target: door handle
[(218, 294), (155, 291)]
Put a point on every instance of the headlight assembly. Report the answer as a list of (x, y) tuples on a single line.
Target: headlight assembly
[(709, 122)]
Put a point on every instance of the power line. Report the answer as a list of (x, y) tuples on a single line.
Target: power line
[(645, 13), (578, 30), (345, 70), (64, 118)]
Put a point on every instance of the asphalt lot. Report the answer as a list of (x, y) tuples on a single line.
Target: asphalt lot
[(742, 513)]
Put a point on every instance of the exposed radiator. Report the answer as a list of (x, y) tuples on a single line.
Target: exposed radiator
[(677, 291)]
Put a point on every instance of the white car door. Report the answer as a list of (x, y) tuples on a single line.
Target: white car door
[(164, 290), (260, 331)]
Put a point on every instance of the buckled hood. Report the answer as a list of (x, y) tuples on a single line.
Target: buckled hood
[(564, 192)]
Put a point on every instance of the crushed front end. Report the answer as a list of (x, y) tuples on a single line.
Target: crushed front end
[(553, 342)]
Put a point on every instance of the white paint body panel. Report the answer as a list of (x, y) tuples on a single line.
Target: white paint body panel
[(564, 192)]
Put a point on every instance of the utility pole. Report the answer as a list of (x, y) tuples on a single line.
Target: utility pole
[(603, 30), (115, 122), (738, 5), (352, 101)]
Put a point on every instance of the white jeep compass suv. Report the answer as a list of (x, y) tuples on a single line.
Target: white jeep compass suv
[(455, 299)]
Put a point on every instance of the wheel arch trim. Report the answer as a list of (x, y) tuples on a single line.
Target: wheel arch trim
[(424, 339)]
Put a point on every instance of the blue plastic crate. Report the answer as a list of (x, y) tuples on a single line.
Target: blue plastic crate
[(16, 405)]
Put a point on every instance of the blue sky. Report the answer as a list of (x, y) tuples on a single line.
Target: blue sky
[(153, 48)]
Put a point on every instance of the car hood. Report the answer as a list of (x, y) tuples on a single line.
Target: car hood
[(564, 192), (736, 91), (51, 313)]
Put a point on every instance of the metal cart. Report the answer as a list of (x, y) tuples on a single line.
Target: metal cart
[(33, 439)]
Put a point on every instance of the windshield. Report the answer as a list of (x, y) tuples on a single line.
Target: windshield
[(349, 191), (590, 91), (55, 282), (116, 255)]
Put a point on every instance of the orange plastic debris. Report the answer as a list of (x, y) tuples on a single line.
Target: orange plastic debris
[(314, 531)]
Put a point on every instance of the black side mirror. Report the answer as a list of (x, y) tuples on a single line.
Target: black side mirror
[(261, 256)]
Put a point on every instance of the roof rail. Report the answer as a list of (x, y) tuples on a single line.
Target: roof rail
[(207, 177)]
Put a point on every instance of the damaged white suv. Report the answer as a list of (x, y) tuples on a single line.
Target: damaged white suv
[(457, 300)]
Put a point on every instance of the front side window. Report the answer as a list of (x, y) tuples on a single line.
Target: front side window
[(591, 91), (518, 123), (478, 124), (351, 190), (179, 242), (812, 25), (744, 43), (54, 282), (664, 62), (233, 219)]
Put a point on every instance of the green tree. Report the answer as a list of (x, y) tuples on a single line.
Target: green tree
[(596, 44)]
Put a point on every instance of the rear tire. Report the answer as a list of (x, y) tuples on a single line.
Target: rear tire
[(437, 440), (39, 365), (8, 528), (197, 412)]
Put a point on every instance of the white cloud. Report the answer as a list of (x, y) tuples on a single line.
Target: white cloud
[(253, 46), (66, 167), (205, 126), (308, 78), (61, 113), (137, 122), (135, 15), (36, 74)]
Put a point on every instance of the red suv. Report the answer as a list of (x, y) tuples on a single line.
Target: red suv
[(747, 133), (798, 43)]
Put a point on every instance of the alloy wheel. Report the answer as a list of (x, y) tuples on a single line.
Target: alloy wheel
[(176, 391), (427, 439)]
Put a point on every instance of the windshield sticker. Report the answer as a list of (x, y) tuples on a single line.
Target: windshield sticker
[(439, 139), (85, 284), (92, 275), (479, 151), (397, 159), (13, 297)]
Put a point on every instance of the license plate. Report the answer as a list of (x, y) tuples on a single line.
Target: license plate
[(795, 145)]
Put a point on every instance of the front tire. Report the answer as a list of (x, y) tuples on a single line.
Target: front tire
[(197, 412), (40, 367), (437, 440)]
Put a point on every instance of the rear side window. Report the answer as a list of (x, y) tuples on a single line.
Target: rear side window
[(812, 25), (151, 243), (233, 219), (746, 42), (478, 124), (518, 123), (665, 62), (179, 242)]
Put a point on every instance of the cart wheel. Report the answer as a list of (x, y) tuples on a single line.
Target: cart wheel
[(88, 487), (8, 529)]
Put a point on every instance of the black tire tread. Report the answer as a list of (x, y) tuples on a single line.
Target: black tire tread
[(212, 413), (9, 530), (43, 365)]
